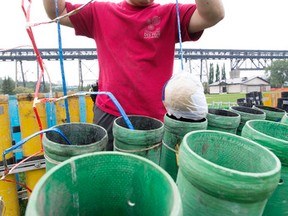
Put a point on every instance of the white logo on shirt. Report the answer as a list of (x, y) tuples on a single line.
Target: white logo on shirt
[(152, 31)]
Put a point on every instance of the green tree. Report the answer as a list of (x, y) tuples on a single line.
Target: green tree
[(223, 73), (217, 75), (7, 86), (211, 74), (277, 73)]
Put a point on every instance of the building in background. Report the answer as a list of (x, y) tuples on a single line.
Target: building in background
[(240, 85)]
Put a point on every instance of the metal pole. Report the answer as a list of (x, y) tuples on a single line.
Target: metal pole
[(201, 62), (80, 76), (22, 72), (16, 74)]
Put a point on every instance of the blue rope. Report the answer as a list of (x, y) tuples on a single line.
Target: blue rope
[(116, 103), (180, 43), (62, 64), (179, 35), (119, 107), (21, 142)]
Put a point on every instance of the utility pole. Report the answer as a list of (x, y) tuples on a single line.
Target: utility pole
[(22, 72), (43, 80), (201, 62), (16, 74), (80, 75)]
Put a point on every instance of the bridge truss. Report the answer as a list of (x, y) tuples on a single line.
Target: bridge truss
[(239, 59)]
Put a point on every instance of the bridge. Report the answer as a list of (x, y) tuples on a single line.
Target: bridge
[(239, 59), (260, 59)]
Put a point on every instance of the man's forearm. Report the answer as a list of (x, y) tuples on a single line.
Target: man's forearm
[(49, 6)]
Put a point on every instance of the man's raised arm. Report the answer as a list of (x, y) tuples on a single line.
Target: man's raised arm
[(207, 14), (49, 6)]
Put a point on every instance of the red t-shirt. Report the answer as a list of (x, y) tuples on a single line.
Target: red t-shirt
[(135, 48)]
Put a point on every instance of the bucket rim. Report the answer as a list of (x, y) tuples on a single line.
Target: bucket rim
[(269, 109), (233, 171), (248, 124), (240, 109), (145, 116), (135, 129), (76, 123), (80, 123), (45, 138), (237, 115), (175, 210)]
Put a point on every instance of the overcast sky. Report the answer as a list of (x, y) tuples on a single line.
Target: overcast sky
[(248, 24)]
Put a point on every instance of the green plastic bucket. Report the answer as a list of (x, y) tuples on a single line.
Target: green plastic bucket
[(223, 120), (105, 183), (174, 131), (272, 113), (225, 174), (84, 138), (246, 114), (274, 136), (144, 140)]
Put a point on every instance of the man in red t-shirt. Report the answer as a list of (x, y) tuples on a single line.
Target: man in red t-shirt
[(135, 42)]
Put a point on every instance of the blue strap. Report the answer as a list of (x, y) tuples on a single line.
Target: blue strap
[(179, 35), (21, 142), (62, 64)]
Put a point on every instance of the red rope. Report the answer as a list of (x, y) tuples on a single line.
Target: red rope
[(41, 64), (19, 183), (39, 59)]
